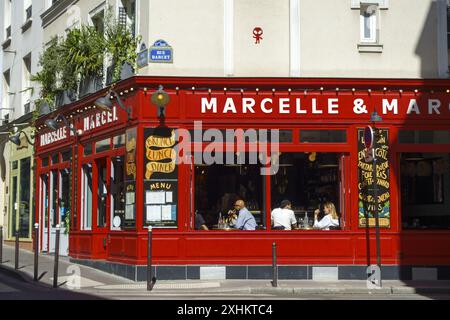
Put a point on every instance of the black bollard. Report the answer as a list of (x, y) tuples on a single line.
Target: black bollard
[(36, 251), (274, 265), (55, 270), (16, 259), (150, 279), (1, 244)]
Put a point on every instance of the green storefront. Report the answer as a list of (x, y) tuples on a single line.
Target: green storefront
[(19, 191)]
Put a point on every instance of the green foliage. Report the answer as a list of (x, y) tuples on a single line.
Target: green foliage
[(121, 46), (84, 52), (81, 54)]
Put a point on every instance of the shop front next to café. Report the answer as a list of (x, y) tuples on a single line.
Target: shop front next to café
[(104, 176)]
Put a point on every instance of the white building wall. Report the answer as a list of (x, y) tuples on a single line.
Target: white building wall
[(302, 38), (22, 43)]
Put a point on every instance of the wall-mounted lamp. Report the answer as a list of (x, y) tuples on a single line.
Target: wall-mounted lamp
[(16, 138), (105, 104), (161, 99), (54, 125)]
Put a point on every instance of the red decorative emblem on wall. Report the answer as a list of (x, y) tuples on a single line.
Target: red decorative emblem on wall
[(257, 34)]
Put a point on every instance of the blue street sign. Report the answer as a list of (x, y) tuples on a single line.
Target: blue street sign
[(161, 52)]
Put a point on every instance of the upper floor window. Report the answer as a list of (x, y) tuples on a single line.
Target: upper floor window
[(369, 23)]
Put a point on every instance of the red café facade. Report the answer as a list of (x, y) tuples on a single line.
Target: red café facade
[(118, 176)]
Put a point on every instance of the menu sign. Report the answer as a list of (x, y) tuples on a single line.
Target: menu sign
[(161, 179), (367, 181)]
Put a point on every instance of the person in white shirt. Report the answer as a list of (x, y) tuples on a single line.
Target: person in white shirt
[(331, 218), (284, 217)]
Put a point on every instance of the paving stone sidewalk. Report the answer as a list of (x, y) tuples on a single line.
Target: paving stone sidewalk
[(98, 282)]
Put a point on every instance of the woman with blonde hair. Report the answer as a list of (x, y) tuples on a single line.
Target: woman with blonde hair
[(330, 220)]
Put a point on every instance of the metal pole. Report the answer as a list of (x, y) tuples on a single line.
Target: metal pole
[(1, 244), (150, 279), (55, 270), (16, 260), (36, 251), (274, 265), (375, 191)]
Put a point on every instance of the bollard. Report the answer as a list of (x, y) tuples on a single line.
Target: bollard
[(36, 251), (55, 270), (1, 244), (274, 265), (150, 279), (16, 259)]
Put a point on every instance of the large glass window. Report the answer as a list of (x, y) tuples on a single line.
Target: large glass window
[(102, 192), (54, 199), (117, 192), (65, 198), (307, 180), (13, 209), (425, 190), (25, 192), (87, 197), (218, 186)]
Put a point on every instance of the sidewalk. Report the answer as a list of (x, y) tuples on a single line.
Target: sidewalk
[(98, 282)]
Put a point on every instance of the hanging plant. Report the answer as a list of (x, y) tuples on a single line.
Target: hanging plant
[(121, 45)]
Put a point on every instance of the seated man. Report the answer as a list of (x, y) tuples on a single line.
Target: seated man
[(283, 218), (245, 220), (200, 223)]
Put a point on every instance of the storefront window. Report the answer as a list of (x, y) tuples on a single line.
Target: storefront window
[(87, 197), (13, 209), (55, 158), (102, 193), (219, 186), (119, 141), (65, 198), (424, 137), (54, 200), (25, 191), (117, 192), (14, 165), (45, 162), (103, 145), (66, 156), (87, 149), (425, 190), (307, 180), (323, 136)]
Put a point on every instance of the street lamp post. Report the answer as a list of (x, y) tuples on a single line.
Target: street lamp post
[(375, 117)]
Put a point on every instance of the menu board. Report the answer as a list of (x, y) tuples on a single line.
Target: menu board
[(161, 179), (366, 185)]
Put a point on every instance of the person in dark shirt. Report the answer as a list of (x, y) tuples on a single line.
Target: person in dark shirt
[(200, 223)]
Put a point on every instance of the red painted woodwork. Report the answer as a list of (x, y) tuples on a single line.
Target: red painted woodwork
[(185, 246)]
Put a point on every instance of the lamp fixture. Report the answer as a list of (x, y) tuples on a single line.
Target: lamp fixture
[(105, 104), (161, 99), (16, 138)]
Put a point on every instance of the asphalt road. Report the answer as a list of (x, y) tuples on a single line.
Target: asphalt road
[(14, 288)]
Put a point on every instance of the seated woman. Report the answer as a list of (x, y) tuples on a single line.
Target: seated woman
[(330, 220)]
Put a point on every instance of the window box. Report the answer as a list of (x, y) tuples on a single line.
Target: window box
[(370, 47), (27, 25)]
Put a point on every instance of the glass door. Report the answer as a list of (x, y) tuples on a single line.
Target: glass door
[(53, 209), (44, 213), (102, 192), (13, 208), (64, 208)]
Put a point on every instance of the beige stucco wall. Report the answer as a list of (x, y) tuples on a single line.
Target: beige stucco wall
[(330, 34), (193, 28)]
